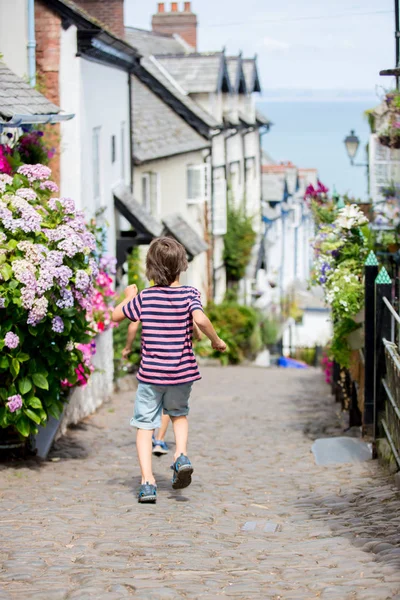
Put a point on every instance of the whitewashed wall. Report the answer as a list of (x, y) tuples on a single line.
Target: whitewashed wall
[(98, 95), (14, 35), (172, 174)]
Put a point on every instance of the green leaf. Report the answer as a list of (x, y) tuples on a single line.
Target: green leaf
[(23, 426), (35, 402), (24, 385), (12, 244), (23, 357), (32, 330), (40, 381), (3, 394), (32, 415), (14, 367), (54, 411), (6, 272), (3, 362)]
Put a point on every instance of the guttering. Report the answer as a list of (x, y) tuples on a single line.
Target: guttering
[(31, 43), (18, 120)]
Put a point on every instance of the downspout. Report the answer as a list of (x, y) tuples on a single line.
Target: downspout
[(210, 228), (131, 153), (31, 43)]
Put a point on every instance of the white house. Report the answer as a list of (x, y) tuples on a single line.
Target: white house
[(215, 95)]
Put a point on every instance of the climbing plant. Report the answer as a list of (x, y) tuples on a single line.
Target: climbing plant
[(238, 242)]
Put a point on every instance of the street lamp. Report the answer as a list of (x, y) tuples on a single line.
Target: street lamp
[(352, 143)]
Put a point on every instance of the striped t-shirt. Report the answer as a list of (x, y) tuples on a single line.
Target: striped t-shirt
[(167, 330)]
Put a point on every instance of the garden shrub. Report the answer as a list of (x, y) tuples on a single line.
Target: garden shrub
[(47, 271), (238, 242)]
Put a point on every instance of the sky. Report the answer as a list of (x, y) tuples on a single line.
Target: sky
[(326, 50)]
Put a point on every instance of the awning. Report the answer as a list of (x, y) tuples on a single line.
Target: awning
[(142, 221), (180, 229)]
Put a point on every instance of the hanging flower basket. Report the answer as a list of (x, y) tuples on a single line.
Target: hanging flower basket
[(390, 141), (355, 339)]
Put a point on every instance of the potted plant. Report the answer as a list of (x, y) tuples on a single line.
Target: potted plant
[(390, 135)]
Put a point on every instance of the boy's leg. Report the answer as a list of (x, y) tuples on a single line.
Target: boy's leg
[(181, 432), (144, 446), (164, 426), (146, 418)]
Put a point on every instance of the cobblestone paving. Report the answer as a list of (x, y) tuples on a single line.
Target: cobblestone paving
[(72, 529)]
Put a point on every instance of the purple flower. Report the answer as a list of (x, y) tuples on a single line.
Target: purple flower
[(57, 325), (49, 185), (14, 402), (38, 311), (26, 194), (82, 280), (66, 300), (2, 302), (11, 340), (322, 280), (35, 172)]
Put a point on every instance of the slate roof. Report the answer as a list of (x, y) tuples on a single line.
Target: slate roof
[(198, 72), (135, 213), (236, 74), (18, 98), (159, 131), (155, 68), (149, 42), (176, 225), (251, 75)]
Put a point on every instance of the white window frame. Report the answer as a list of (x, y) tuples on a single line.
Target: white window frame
[(96, 157), (220, 217), (202, 171), (151, 199)]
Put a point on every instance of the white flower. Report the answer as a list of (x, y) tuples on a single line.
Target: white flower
[(351, 217)]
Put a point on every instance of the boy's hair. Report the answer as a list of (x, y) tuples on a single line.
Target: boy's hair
[(165, 260)]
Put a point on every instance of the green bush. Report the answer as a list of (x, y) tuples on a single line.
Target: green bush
[(270, 330), (238, 242), (239, 327)]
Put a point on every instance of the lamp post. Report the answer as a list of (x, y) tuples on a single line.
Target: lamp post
[(352, 143)]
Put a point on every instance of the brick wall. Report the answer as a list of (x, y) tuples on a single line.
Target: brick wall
[(48, 38), (183, 23), (109, 12)]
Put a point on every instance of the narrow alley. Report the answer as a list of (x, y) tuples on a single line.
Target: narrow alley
[(260, 521)]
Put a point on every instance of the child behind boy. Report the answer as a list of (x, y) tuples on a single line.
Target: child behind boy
[(168, 312)]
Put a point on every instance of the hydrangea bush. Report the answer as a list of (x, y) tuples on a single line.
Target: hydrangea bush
[(340, 251), (47, 276)]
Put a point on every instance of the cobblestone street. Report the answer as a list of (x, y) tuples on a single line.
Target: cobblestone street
[(260, 521)]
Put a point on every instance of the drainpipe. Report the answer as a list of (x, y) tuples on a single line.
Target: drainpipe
[(211, 269), (131, 150), (31, 43)]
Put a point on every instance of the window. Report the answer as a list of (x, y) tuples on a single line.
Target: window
[(113, 150), (151, 193), (96, 166), (198, 181), (219, 205), (122, 151), (384, 167)]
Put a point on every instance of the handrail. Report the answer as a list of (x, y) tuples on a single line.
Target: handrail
[(391, 309)]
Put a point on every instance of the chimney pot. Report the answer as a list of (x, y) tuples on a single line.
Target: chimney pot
[(174, 7), (161, 7), (188, 7)]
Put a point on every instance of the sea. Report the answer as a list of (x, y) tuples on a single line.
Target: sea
[(311, 133)]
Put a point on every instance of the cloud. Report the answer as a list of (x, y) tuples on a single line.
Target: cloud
[(275, 45)]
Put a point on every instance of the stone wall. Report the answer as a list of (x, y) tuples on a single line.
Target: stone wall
[(86, 400)]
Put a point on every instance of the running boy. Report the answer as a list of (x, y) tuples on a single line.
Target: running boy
[(168, 367)]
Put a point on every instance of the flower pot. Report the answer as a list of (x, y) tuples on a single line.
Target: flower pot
[(11, 442), (355, 339), (360, 316), (390, 141)]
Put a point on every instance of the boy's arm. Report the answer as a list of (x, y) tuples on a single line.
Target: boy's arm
[(130, 293), (196, 332), (204, 324), (132, 330)]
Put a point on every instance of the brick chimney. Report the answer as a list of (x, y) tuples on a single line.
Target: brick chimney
[(109, 12), (183, 22)]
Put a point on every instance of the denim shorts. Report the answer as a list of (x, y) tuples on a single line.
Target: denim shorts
[(152, 400)]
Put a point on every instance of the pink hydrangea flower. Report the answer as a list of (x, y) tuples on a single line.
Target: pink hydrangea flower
[(35, 172), (14, 402), (11, 340)]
